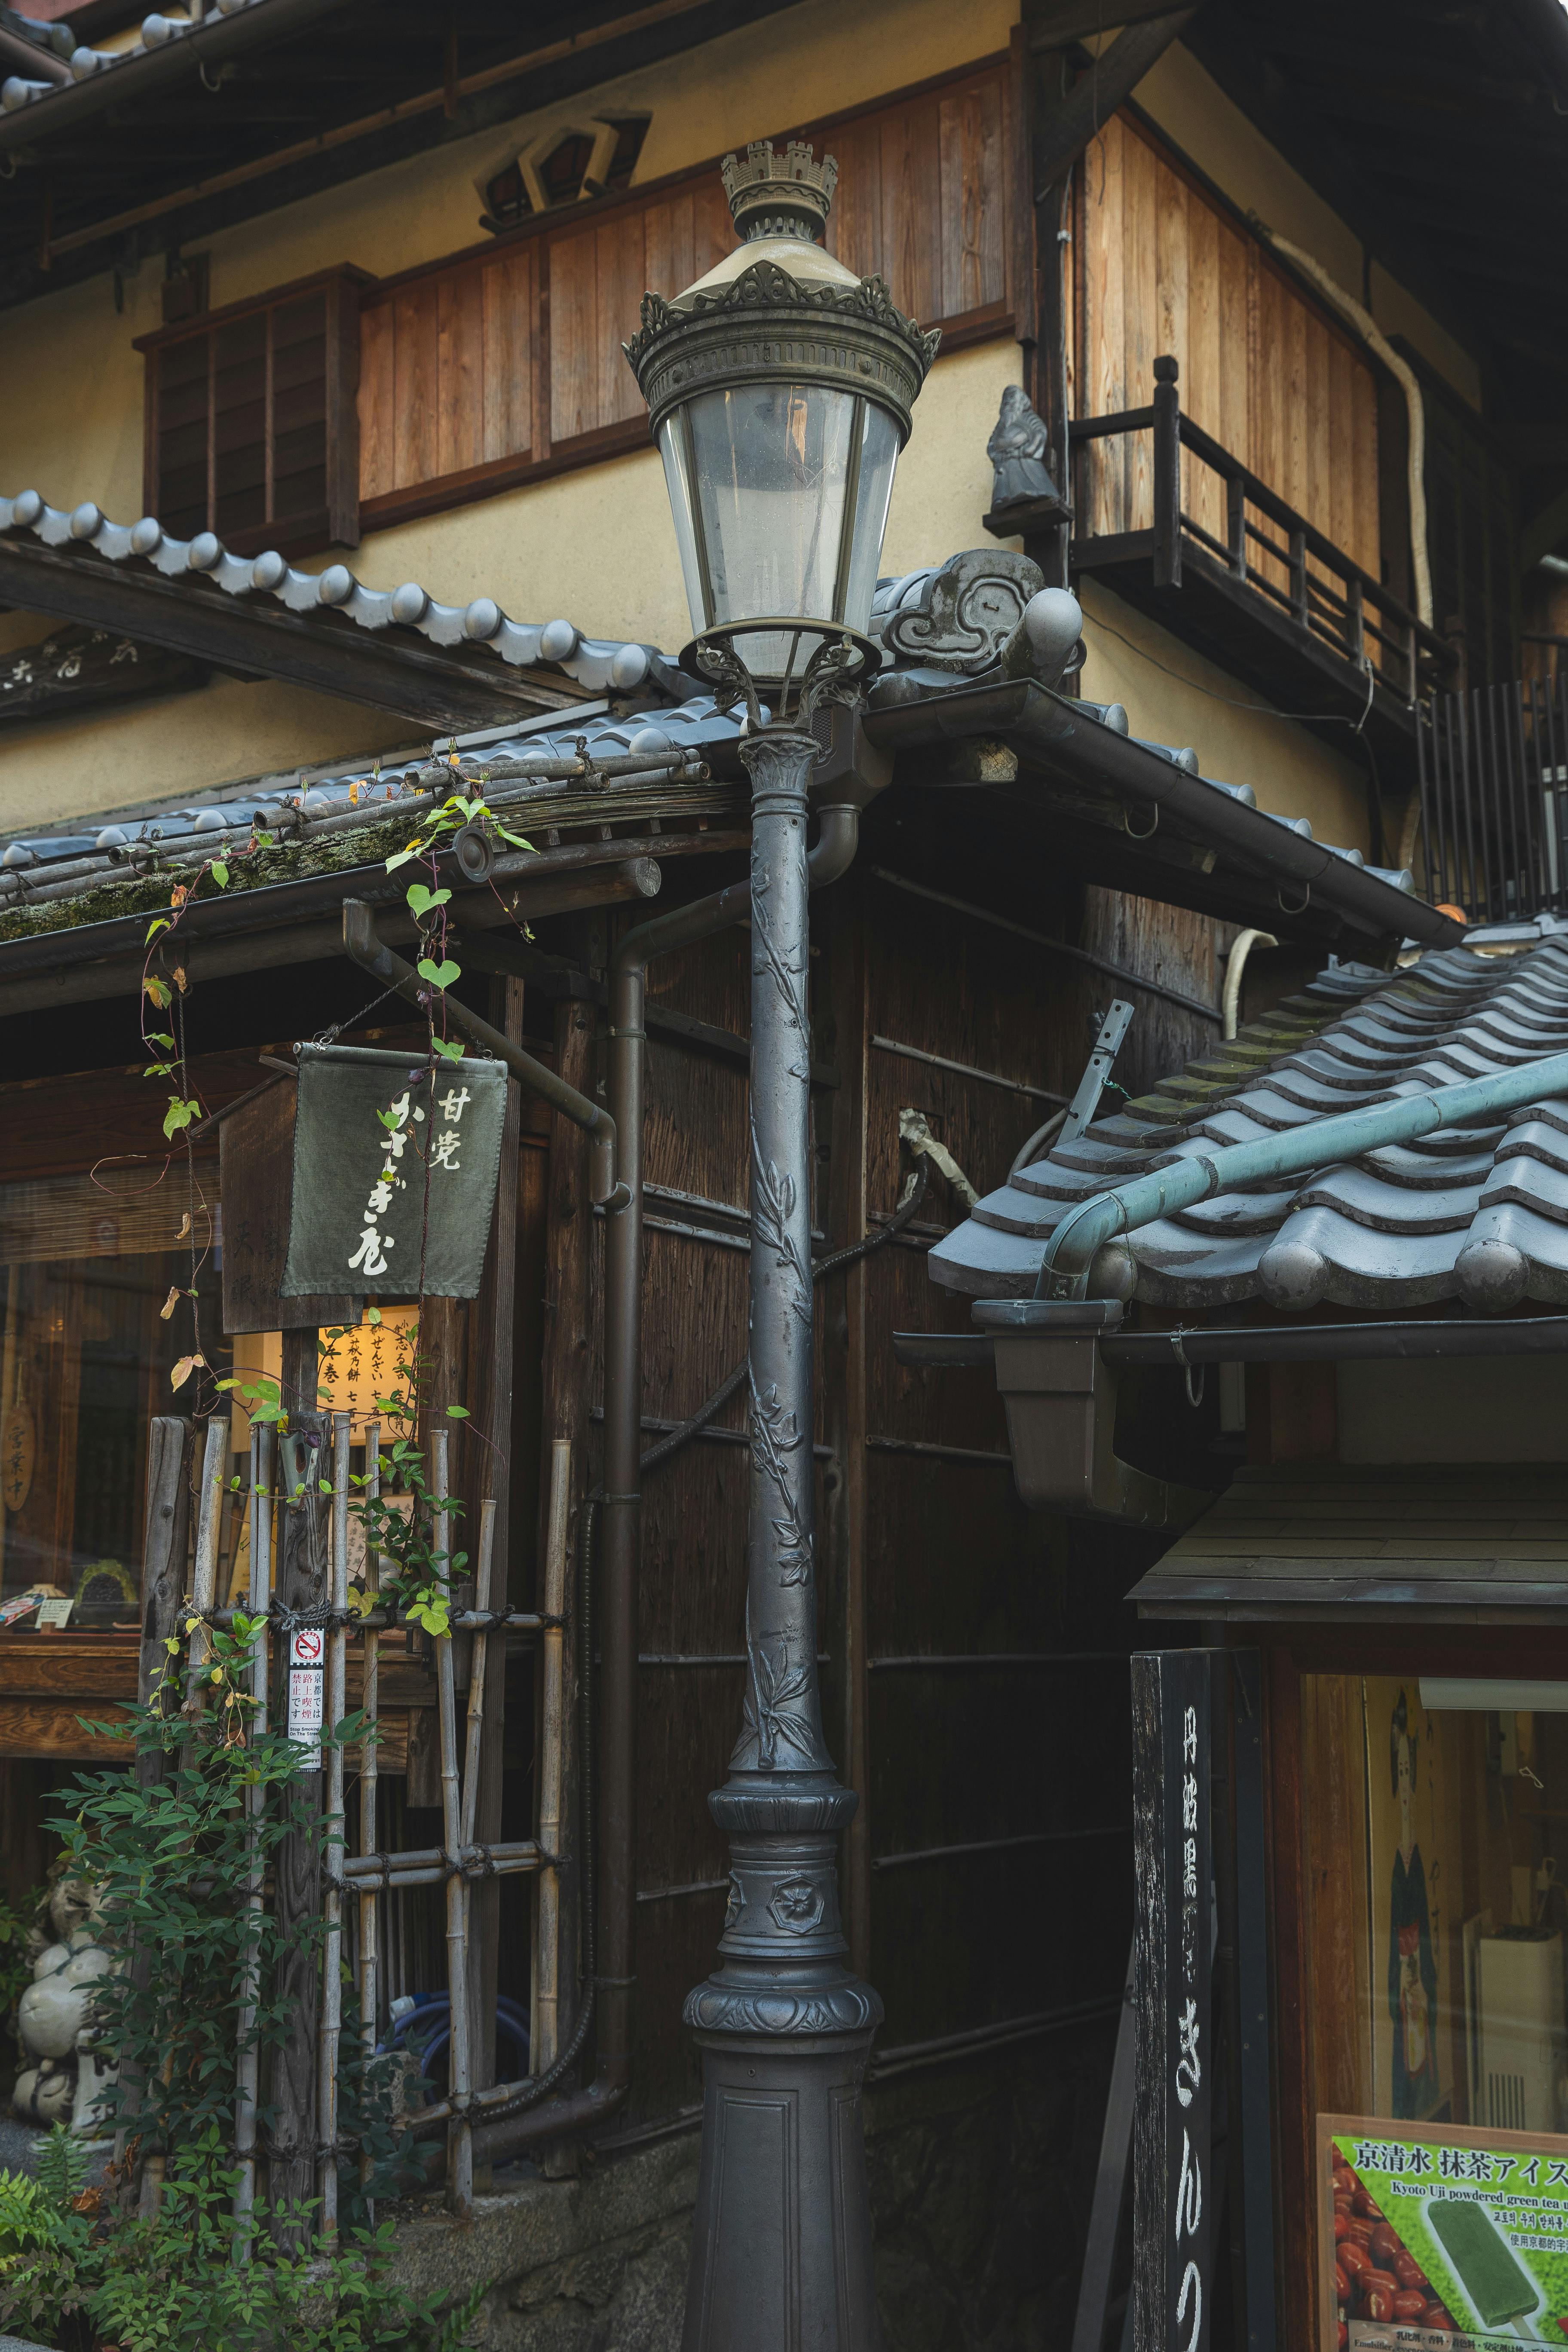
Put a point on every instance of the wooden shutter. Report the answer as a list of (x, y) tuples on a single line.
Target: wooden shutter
[(1163, 268), (251, 430), (494, 367)]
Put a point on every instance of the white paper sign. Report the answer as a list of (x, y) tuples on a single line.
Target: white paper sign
[(307, 1693)]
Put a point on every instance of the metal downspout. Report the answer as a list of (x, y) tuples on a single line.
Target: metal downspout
[(621, 1499), (1069, 1258)]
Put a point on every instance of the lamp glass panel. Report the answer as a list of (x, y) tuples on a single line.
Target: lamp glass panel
[(879, 455), (682, 507), (771, 463)]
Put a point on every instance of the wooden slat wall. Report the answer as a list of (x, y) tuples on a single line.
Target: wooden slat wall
[(924, 198), (598, 274), (478, 372), (446, 373), (1161, 269)]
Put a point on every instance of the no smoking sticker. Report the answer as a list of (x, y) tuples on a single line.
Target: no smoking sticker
[(307, 1694)]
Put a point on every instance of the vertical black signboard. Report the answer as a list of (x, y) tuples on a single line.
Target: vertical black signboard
[(1173, 2195)]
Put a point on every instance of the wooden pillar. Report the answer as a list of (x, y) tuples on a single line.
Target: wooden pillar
[(844, 1320), (164, 1558), (568, 1365), (486, 1472), (1043, 277), (297, 1899), (166, 1545)]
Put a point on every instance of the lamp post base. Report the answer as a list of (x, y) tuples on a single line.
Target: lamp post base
[(781, 2257)]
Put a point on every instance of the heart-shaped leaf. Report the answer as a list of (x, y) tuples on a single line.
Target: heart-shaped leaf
[(421, 899), (439, 975)]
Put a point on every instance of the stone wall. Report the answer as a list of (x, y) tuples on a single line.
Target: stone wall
[(981, 2179)]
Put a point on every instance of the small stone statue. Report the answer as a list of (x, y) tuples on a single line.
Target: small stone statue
[(60, 2079), (1017, 451)]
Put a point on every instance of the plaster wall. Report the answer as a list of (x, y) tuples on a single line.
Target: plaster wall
[(1172, 695)]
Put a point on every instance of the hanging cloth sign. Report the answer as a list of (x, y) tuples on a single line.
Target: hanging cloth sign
[(394, 1173)]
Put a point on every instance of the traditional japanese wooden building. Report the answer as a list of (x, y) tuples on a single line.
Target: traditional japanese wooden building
[(316, 423)]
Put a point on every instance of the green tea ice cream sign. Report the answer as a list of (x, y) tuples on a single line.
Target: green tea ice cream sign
[(1439, 2239)]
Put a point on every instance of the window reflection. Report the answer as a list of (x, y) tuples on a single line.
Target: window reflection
[(86, 1265)]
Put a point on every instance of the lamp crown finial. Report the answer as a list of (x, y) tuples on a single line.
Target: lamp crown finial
[(780, 195)]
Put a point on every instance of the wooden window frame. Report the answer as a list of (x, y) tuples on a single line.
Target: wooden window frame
[(549, 457), (336, 522)]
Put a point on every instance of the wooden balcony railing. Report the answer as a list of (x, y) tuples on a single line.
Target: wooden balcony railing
[(1493, 771), (1300, 587)]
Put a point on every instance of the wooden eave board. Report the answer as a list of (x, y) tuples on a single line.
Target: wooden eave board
[(1323, 1541)]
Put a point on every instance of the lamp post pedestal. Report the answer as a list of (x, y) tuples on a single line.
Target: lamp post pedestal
[(782, 2253)]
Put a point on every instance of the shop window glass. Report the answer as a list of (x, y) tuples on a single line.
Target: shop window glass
[(86, 1264), (1437, 1925)]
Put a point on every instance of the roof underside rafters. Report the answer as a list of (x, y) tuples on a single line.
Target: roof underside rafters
[(268, 102)]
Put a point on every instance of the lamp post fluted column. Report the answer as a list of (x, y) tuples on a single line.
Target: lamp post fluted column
[(779, 388), (782, 2253)]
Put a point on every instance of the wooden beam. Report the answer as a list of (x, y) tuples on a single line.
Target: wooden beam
[(407, 680), (1062, 134), (1052, 24)]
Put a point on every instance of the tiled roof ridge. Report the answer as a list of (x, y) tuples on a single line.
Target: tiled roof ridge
[(1480, 1212), (616, 665), (157, 33)]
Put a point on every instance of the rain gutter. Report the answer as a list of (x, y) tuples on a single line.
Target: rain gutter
[(1255, 1343), (1070, 1254), (1058, 733)]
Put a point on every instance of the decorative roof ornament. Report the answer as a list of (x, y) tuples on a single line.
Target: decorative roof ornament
[(1017, 449)]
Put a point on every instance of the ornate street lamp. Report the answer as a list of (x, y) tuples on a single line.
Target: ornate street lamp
[(779, 389)]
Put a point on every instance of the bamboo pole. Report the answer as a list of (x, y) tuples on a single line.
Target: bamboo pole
[(262, 1441), (428, 1865), (370, 1703), (471, 1757), (459, 2138), (331, 1892), (547, 1949), (204, 1582), (476, 1672)]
